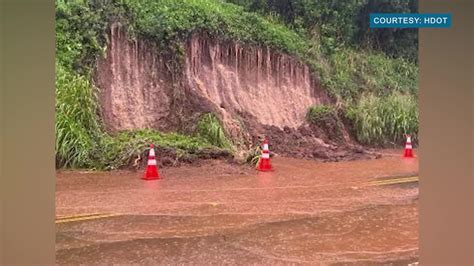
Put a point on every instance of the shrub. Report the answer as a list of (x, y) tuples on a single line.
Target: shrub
[(317, 113), (352, 73), (174, 20), (77, 124), (210, 128), (385, 120), (326, 118), (118, 150), (252, 156)]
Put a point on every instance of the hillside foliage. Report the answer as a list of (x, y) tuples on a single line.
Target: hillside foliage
[(359, 67), (342, 24)]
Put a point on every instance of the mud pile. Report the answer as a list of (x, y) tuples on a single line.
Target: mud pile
[(254, 90)]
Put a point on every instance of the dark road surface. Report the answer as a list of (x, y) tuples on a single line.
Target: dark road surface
[(304, 212)]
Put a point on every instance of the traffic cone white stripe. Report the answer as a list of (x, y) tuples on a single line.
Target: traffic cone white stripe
[(152, 168), (264, 162), (408, 148)]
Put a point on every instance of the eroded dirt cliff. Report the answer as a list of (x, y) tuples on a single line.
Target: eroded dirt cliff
[(274, 88), (253, 89), (136, 86)]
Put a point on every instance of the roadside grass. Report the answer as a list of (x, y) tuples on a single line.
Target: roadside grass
[(78, 129), (351, 73), (120, 149), (210, 129), (385, 120), (253, 156)]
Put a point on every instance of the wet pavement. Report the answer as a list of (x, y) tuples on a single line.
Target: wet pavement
[(304, 212)]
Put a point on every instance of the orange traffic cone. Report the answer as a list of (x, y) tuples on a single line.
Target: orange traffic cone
[(408, 148), (151, 169), (264, 163)]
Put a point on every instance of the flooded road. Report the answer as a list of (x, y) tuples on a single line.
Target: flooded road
[(304, 212)]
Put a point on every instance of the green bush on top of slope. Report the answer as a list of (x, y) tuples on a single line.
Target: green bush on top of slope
[(173, 20)]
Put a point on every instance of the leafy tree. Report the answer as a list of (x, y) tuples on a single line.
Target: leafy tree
[(394, 42), (338, 24)]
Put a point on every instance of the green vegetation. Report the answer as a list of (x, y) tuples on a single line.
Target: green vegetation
[(326, 117), (81, 31), (345, 71), (318, 113), (354, 73), (385, 120), (170, 21), (372, 74), (325, 34), (354, 62), (252, 156), (119, 150), (381, 92), (335, 25), (210, 128), (78, 130), (82, 143)]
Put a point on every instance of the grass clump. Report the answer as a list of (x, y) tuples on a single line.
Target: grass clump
[(317, 113), (253, 155), (120, 149), (210, 128), (77, 125), (326, 117), (385, 120)]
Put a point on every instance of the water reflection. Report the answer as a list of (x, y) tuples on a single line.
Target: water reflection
[(152, 184), (265, 179)]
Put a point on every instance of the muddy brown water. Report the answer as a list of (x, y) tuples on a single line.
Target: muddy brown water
[(304, 212)]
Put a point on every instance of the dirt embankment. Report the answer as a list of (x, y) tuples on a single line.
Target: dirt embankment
[(270, 87), (254, 90)]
